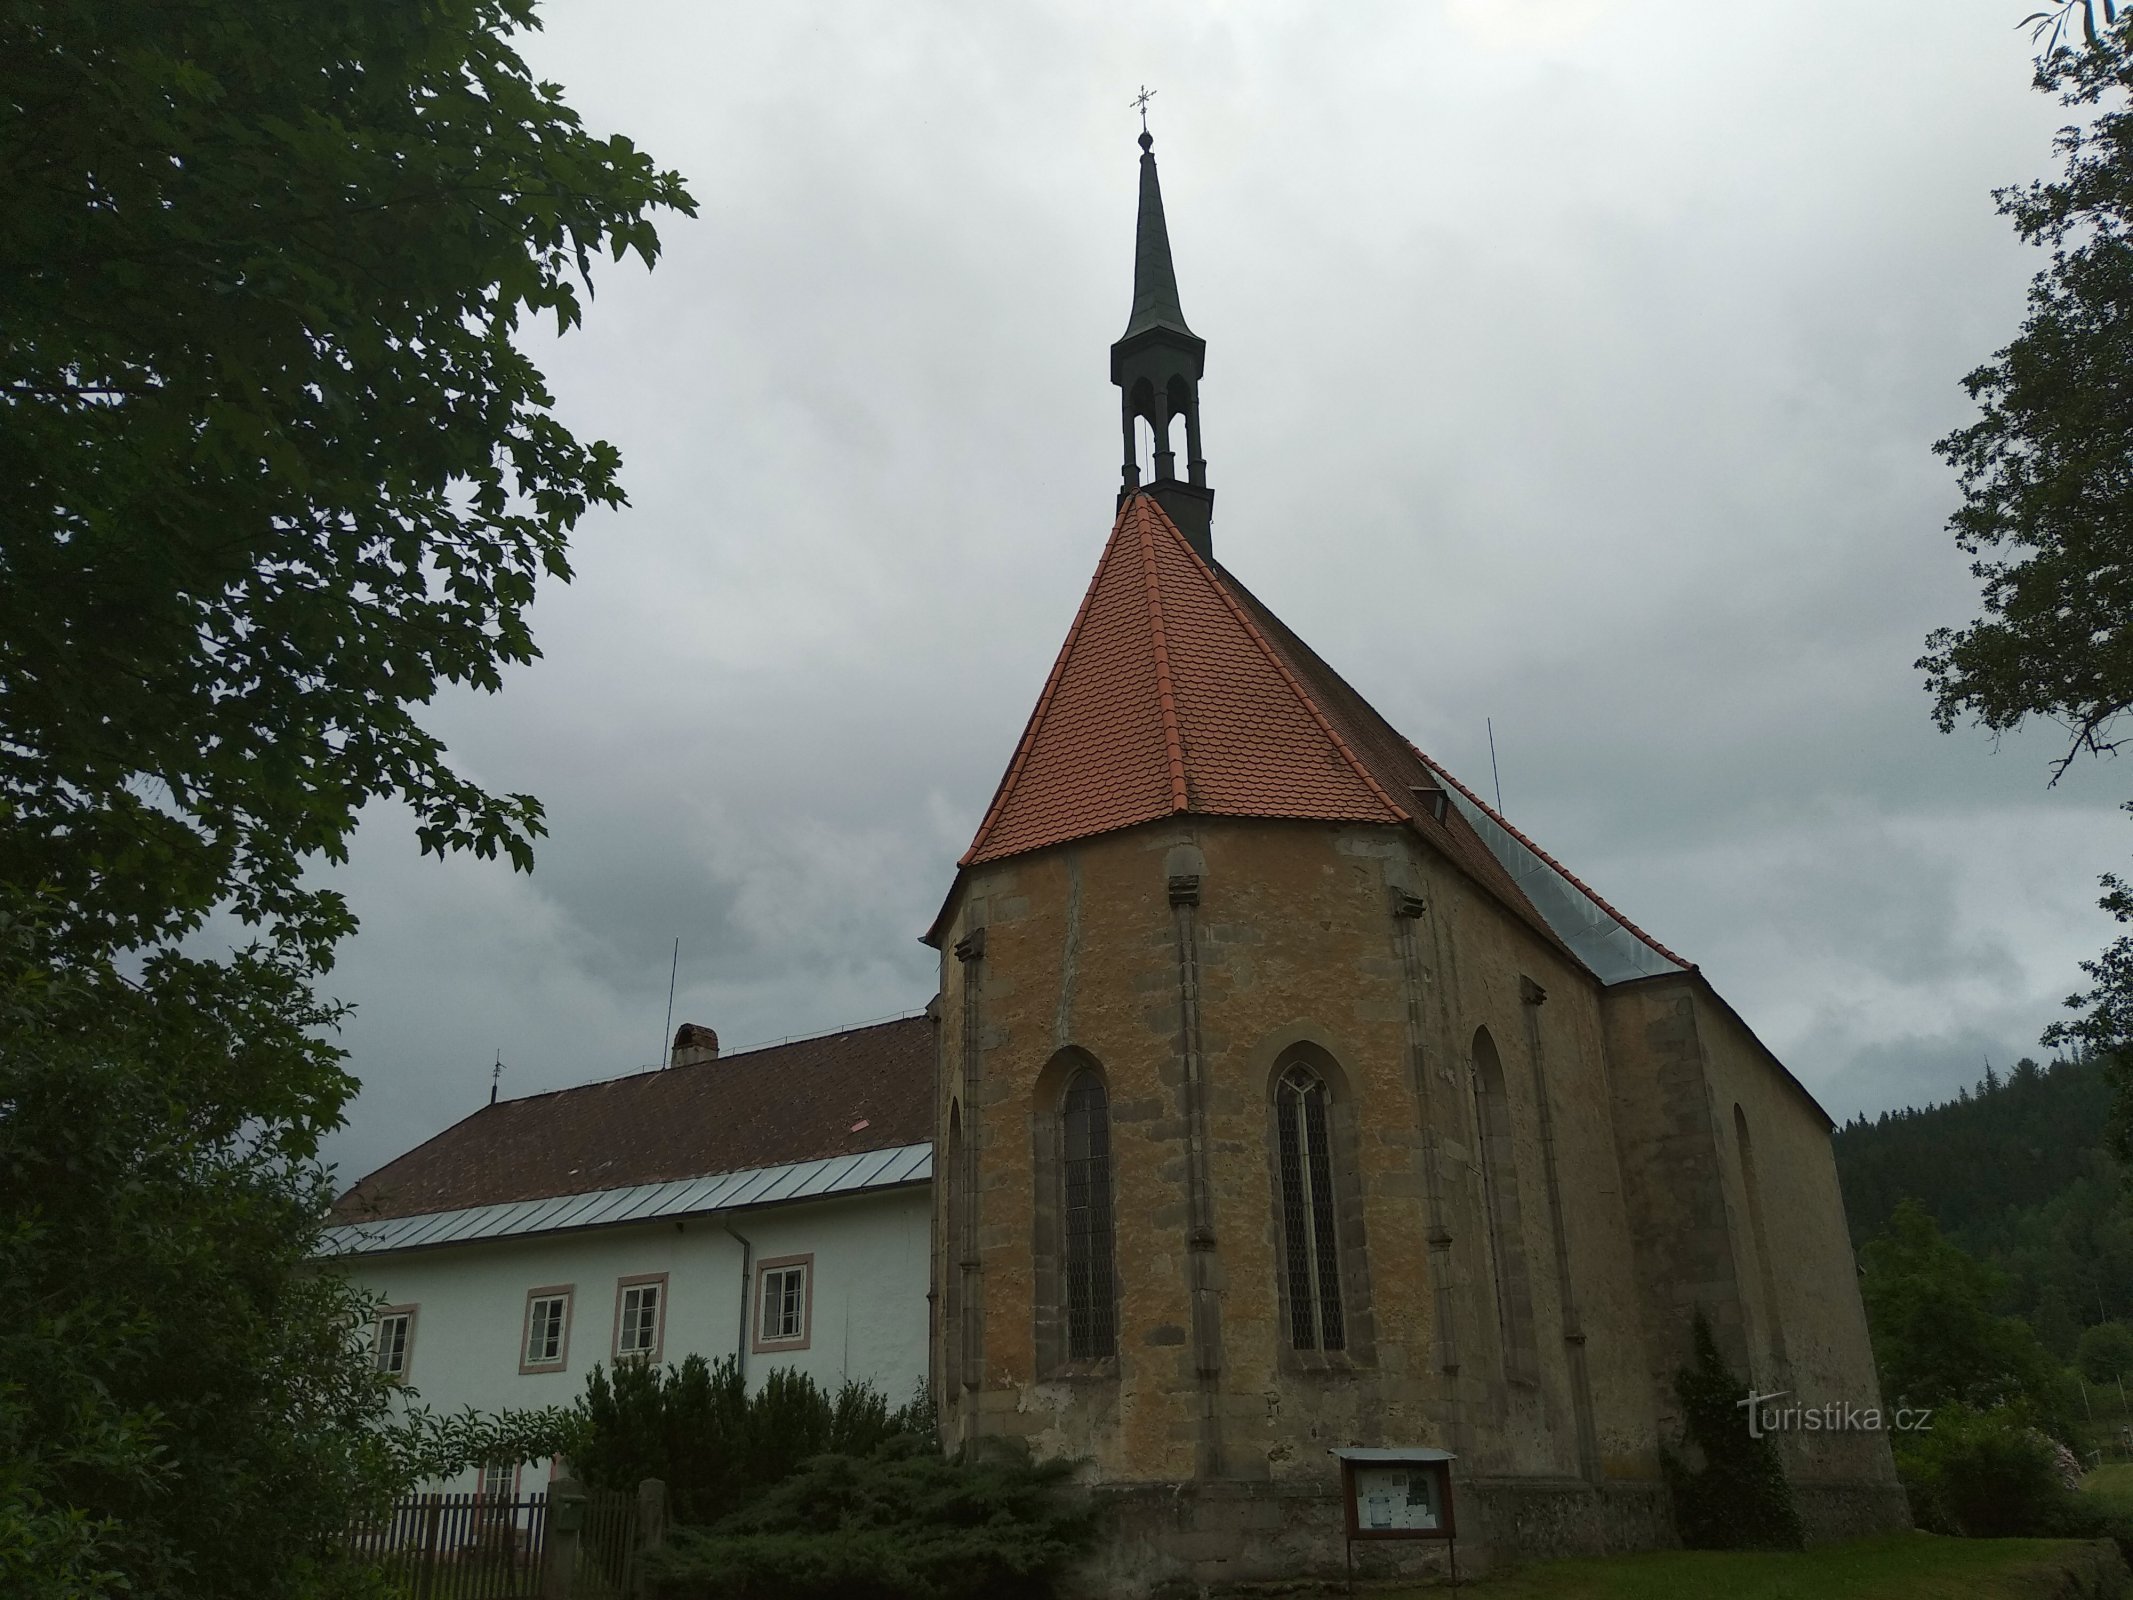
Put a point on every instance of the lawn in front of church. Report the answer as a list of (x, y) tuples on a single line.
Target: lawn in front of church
[(1909, 1566)]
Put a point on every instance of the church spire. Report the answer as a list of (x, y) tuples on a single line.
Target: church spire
[(1156, 364)]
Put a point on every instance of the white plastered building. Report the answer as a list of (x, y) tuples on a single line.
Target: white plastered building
[(771, 1206)]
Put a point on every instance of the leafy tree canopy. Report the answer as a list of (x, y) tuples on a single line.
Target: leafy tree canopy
[(2106, 1352), (271, 468), (2046, 470), (1937, 1339), (272, 471)]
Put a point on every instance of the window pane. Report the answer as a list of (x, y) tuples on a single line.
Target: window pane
[(1295, 1217), (640, 1318), (392, 1344), (1325, 1235), (544, 1331), (1090, 1293)]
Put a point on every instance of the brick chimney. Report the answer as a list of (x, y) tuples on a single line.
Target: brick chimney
[(693, 1044)]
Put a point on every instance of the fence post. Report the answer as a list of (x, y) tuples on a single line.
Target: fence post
[(566, 1521), (651, 1526), (432, 1515)]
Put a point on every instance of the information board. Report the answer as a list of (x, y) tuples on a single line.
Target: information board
[(1397, 1493), (1404, 1498)]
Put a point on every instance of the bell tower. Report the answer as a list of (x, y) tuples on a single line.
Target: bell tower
[(1156, 364)]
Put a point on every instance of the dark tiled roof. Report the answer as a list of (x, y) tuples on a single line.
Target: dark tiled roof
[(761, 1108)]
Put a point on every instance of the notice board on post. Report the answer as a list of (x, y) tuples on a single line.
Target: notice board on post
[(1397, 1493)]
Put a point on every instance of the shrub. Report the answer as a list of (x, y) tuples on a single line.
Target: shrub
[(716, 1447), (1992, 1475), (901, 1523), (1738, 1498)]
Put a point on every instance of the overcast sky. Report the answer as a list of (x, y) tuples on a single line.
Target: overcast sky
[(1571, 363)]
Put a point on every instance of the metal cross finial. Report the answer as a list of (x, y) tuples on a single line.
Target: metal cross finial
[(1140, 104)]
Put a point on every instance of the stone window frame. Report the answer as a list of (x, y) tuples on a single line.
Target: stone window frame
[(568, 1294), (1503, 1208), (1344, 1146), (659, 1319), (1048, 1302), (783, 1265)]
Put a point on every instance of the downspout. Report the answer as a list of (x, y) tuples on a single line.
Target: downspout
[(740, 1347)]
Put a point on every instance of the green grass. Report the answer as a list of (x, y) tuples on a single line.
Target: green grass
[(2112, 1485), (1909, 1566)]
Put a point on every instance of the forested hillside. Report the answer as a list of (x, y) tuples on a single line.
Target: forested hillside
[(2014, 1171)]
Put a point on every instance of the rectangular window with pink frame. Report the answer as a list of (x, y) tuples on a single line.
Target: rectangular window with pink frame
[(784, 1302), (640, 1317), (545, 1339)]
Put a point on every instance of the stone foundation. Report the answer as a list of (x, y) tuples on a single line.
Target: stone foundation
[(1195, 1538)]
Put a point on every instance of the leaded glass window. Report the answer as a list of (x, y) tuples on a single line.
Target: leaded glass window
[(1085, 1125), (1310, 1232)]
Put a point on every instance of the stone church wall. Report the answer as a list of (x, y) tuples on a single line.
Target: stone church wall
[(1768, 1261), (1789, 1231), (1517, 1287)]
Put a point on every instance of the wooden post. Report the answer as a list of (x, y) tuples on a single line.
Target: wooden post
[(566, 1522), (432, 1516)]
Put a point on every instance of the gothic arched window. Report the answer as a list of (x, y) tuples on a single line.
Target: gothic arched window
[(1085, 1168), (1499, 1194), (1759, 1238), (1309, 1226)]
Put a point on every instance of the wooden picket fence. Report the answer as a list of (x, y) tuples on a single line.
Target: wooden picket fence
[(608, 1549), (478, 1547), (458, 1546)]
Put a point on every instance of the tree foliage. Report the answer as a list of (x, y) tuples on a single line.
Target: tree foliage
[(1989, 1475), (2046, 470), (697, 1429), (272, 468), (272, 471), (898, 1523), (2105, 1354), (1938, 1338), (2015, 1174)]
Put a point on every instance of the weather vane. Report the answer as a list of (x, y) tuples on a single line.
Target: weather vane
[(1140, 104)]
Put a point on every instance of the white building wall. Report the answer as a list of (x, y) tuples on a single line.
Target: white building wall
[(867, 1321)]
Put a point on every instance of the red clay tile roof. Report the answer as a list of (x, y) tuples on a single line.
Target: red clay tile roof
[(1178, 691), (760, 1108), (1398, 765), (1166, 697)]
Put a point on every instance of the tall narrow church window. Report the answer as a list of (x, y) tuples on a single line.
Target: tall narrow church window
[(1499, 1192), (1085, 1127), (952, 1256), (1310, 1235), (1759, 1240)]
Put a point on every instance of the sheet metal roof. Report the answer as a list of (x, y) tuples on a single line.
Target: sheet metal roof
[(1608, 943), (643, 1202)]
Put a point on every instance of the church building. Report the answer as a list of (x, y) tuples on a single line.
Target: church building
[(1287, 1099)]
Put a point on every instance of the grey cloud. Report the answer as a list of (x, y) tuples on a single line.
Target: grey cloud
[(1565, 367)]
